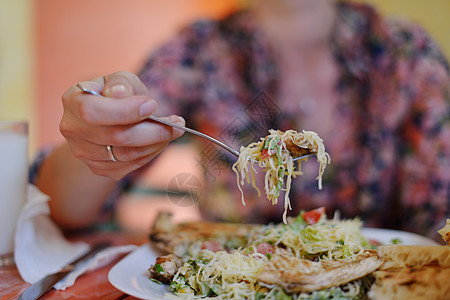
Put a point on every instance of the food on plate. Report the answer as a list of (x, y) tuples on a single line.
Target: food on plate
[(165, 268), (302, 275), (425, 283), (309, 257), (408, 256), (445, 232), (182, 238), (274, 154), (412, 272)]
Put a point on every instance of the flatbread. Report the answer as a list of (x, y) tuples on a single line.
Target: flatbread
[(445, 232), (176, 238), (412, 272), (428, 283), (403, 256)]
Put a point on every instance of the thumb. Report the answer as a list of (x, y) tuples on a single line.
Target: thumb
[(123, 84)]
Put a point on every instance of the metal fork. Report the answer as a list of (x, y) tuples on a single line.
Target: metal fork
[(192, 131)]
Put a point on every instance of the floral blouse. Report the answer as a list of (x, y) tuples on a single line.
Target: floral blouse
[(390, 148)]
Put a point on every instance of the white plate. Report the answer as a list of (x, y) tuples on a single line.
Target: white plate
[(385, 236), (130, 275)]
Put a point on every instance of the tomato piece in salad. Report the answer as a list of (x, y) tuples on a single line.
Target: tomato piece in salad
[(313, 216), (264, 153)]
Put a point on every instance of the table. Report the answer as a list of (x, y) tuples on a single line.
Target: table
[(93, 285)]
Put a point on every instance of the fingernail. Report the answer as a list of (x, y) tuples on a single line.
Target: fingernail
[(176, 119), (181, 120), (119, 90), (147, 108)]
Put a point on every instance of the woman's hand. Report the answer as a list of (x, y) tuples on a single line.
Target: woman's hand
[(116, 119)]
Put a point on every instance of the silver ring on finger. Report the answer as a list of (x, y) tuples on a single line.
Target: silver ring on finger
[(109, 151), (86, 91)]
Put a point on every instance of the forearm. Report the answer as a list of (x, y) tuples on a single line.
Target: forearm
[(90, 122), (76, 193)]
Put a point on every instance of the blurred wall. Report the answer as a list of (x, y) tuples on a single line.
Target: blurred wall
[(47, 45), (16, 67), (433, 15), (82, 39)]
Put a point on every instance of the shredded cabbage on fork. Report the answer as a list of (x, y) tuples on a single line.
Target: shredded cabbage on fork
[(276, 161)]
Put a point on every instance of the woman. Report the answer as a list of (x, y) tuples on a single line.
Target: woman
[(376, 91)]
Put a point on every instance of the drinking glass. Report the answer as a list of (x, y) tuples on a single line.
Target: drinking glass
[(13, 183)]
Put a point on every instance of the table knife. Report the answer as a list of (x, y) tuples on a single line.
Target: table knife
[(45, 284)]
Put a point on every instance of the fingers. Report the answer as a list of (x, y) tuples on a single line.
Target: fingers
[(117, 170), (136, 135), (122, 85), (125, 100), (114, 111), (128, 158), (117, 119), (87, 151), (117, 85), (98, 110)]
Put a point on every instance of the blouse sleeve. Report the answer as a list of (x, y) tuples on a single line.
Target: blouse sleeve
[(36, 164), (425, 171)]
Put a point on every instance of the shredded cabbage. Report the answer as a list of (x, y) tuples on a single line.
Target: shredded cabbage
[(233, 274), (272, 155)]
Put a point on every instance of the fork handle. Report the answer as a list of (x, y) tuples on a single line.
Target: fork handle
[(234, 152), (162, 121), (211, 139)]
